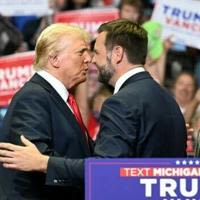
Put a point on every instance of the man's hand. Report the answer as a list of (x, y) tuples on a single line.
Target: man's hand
[(23, 158)]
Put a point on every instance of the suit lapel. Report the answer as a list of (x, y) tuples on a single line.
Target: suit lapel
[(70, 117), (136, 77), (62, 106)]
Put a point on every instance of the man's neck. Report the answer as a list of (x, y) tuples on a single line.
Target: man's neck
[(121, 71), (120, 81)]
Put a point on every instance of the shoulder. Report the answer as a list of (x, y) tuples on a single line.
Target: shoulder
[(31, 90), (30, 95), (120, 103)]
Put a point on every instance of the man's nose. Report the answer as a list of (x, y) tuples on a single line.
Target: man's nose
[(88, 57), (93, 60)]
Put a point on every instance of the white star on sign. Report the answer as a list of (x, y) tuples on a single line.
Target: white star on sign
[(191, 162), (184, 162), (178, 162), (197, 162)]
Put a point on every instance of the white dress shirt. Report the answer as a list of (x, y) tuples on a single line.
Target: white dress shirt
[(125, 76), (56, 84)]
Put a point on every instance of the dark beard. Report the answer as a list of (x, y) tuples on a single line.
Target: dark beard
[(106, 72), (105, 76)]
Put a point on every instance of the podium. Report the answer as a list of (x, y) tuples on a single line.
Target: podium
[(142, 179)]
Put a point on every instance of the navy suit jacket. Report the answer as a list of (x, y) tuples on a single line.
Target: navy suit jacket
[(141, 120), (40, 114)]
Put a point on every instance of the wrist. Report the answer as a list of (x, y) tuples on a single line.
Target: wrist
[(43, 163)]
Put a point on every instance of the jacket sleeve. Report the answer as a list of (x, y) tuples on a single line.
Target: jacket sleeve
[(116, 138), (65, 172)]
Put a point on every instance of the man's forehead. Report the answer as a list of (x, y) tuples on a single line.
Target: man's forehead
[(100, 40), (101, 36)]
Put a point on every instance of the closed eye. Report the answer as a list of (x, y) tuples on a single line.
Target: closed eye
[(95, 52), (81, 52)]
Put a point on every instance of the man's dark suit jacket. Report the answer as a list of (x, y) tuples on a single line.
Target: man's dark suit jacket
[(141, 120), (40, 114)]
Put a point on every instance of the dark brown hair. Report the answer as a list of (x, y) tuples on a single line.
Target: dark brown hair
[(130, 36)]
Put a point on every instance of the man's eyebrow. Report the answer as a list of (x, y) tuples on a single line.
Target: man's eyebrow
[(82, 50)]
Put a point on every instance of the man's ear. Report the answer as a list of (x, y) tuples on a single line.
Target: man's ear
[(118, 53), (54, 60)]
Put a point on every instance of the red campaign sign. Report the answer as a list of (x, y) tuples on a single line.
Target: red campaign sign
[(89, 19), (15, 70)]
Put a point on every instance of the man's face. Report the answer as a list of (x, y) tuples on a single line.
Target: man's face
[(73, 61), (184, 88), (102, 59), (130, 12)]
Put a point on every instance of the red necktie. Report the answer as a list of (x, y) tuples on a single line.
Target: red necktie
[(72, 102)]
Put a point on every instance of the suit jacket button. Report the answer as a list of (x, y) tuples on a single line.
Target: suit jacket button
[(55, 181)]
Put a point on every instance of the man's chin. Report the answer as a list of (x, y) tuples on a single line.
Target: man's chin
[(82, 80), (104, 81)]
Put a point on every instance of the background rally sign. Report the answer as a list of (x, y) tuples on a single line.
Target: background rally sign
[(24, 7), (180, 19), (89, 19), (142, 179), (15, 70)]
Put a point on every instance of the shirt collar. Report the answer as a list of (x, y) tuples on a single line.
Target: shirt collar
[(55, 83), (125, 76)]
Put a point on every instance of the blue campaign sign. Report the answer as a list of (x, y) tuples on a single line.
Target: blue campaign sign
[(142, 179)]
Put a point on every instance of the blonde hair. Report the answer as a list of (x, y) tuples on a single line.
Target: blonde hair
[(50, 41)]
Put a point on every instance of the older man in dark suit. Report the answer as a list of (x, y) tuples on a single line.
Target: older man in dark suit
[(140, 120), (45, 112)]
